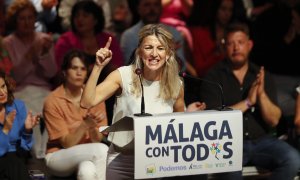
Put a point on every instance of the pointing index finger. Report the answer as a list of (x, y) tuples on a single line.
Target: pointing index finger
[(107, 45)]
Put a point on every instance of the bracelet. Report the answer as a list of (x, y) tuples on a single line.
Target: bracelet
[(248, 103)]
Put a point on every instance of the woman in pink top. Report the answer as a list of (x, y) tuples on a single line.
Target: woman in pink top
[(87, 23)]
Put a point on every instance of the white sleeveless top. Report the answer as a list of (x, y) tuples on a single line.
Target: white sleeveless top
[(128, 104)]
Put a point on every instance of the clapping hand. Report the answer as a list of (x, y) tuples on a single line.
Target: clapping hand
[(252, 94), (31, 121), (104, 55), (261, 82), (97, 115), (39, 48), (93, 119), (45, 44), (257, 89), (9, 120)]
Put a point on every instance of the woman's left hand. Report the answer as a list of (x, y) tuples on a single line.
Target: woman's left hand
[(196, 106), (31, 121)]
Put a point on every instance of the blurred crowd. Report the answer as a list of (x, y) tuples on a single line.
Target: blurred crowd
[(37, 34)]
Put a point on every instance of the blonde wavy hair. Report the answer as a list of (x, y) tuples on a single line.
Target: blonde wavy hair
[(170, 82)]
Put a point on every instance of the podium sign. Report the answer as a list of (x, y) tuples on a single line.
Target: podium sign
[(178, 144)]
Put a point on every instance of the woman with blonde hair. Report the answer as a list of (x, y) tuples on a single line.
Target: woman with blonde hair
[(155, 63)]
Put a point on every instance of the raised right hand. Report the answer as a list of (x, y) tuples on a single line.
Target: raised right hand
[(104, 55)]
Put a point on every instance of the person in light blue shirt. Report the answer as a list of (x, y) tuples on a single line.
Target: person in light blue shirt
[(15, 132)]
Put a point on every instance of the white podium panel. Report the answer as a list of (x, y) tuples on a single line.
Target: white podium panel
[(178, 144)]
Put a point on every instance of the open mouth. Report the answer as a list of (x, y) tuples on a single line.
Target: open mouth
[(153, 61)]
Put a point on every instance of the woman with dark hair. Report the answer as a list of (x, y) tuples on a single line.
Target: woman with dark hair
[(87, 22), (87, 34), (64, 12), (207, 24), (15, 132), (74, 142)]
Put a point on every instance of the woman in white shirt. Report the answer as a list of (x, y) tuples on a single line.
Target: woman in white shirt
[(155, 63)]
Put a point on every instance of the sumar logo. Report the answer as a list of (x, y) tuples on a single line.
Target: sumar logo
[(215, 149), (150, 169)]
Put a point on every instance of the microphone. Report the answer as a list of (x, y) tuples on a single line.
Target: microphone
[(138, 71), (223, 106)]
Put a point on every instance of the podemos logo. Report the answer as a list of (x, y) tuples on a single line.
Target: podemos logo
[(150, 169)]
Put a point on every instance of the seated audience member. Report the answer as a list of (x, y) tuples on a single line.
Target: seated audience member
[(15, 132), (251, 89), (32, 55), (208, 32), (87, 34), (65, 7), (46, 12), (207, 23), (74, 142)]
